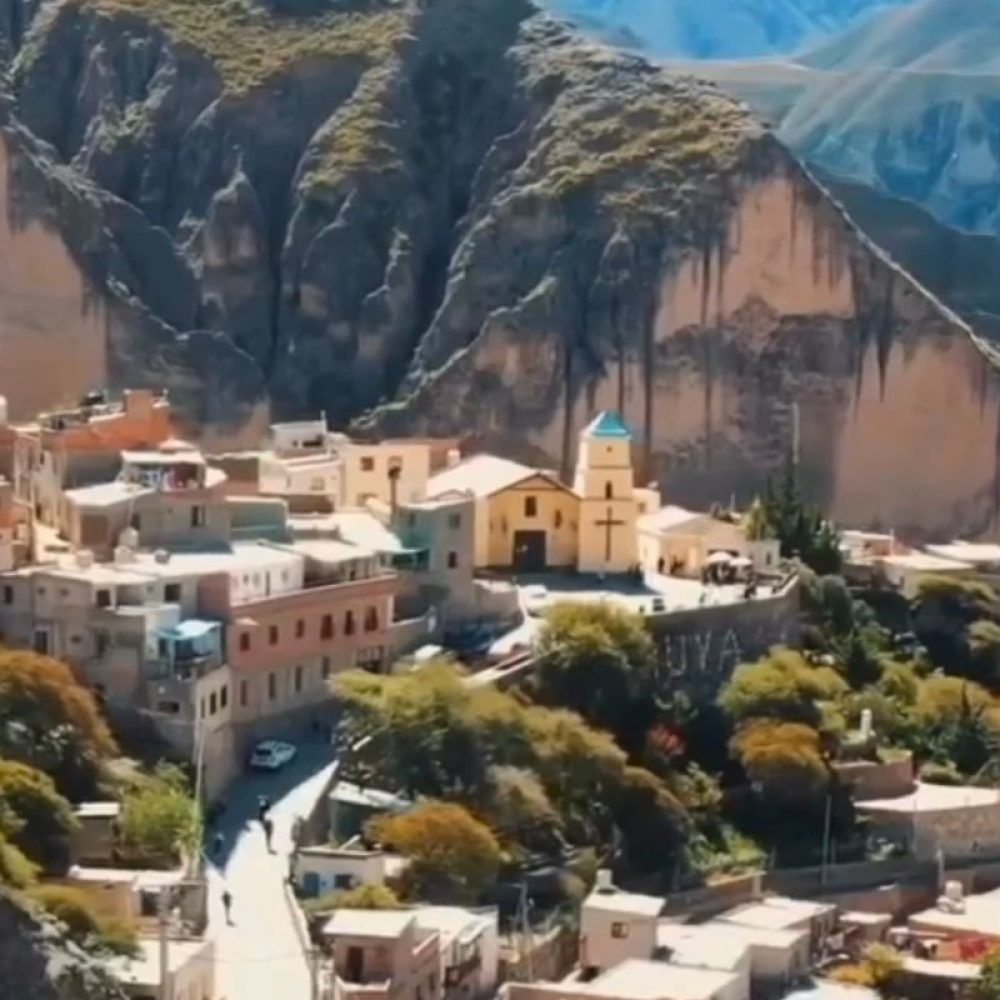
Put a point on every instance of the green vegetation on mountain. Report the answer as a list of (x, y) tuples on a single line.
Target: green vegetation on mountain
[(249, 44)]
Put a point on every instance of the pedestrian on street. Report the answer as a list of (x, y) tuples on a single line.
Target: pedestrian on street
[(263, 805), (268, 831), (227, 904), (218, 842)]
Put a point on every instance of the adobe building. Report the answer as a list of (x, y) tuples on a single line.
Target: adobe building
[(79, 445), (529, 521)]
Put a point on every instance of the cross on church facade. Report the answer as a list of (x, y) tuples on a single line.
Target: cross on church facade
[(608, 524)]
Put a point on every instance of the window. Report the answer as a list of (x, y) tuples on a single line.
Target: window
[(8, 595), (201, 708), (371, 619), (349, 623), (40, 591), (168, 707), (367, 464), (298, 679), (343, 881), (272, 686), (557, 520), (103, 599), (212, 704), (325, 667), (452, 560), (135, 521), (198, 516), (619, 929), (609, 491), (272, 635), (64, 592), (326, 627), (370, 658), (454, 521), (172, 593), (40, 643), (530, 506), (243, 693), (223, 696)]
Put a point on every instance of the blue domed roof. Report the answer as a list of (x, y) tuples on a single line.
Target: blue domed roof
[(608, 425)]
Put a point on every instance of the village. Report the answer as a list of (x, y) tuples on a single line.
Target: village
[(208, 601)]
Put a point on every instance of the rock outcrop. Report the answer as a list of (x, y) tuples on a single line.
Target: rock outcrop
[(455, 216), (38, 963)]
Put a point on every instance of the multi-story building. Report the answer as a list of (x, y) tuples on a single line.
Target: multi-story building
[(424, 953), (394, 471), (16, 528), (79, 446), (168, 497)]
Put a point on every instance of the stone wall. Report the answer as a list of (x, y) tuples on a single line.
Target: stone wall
[(699, 649)]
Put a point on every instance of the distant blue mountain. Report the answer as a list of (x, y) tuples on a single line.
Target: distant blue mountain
[(717, 29)]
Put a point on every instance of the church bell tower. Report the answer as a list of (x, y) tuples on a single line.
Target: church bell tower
[(605, 484)]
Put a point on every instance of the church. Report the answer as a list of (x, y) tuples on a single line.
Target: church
[(529, 521)]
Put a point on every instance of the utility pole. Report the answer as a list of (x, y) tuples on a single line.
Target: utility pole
[(827, 819), (163, 914)]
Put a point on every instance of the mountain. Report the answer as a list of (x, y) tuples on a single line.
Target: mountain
[(716, 29), (460, 217), (908, 103)]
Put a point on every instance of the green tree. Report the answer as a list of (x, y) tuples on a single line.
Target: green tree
[(16, 871), (160, 824), (45, 818), (51, 722), (988, 986), (983, 638), (453, 856), (600, 661), (780, 686)]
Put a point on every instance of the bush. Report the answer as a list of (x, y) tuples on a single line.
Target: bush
[(363, 897), (85, 922), (941, 774), (16, 871), (45, 818)]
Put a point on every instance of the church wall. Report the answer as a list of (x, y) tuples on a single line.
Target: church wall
[(557, 514)]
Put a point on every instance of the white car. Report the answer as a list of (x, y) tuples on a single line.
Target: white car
[(535, 597), (272, 755)]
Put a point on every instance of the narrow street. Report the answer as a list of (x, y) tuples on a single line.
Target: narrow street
[(259, 955)]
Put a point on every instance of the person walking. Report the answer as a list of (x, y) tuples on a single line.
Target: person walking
[(218, 842), (227, 905), (263, 806), (268, 831)]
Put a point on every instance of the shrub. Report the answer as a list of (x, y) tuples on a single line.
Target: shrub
[(45, 818), (83, 918)]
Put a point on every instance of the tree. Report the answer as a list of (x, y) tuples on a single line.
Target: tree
[(80, 913), (780, 686), (16, 871), (51, 722), (784, 760), (159, 823), (600, 661), (984, 653), (45, 818), (453, 856), (988, 987)]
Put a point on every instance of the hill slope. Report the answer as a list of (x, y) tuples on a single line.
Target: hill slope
[(456, 216)]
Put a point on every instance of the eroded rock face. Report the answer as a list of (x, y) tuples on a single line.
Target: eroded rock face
[(454, 216)]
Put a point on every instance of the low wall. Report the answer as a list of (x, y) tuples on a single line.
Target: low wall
[(700, 648), (876, 779)]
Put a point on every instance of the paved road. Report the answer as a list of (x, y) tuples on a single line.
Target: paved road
[(259, 956)]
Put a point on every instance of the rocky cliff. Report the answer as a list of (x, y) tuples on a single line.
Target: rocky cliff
[(455, 216), (37, 963)]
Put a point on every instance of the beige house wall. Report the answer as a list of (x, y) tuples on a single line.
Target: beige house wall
[(366, 470), (608, 937)]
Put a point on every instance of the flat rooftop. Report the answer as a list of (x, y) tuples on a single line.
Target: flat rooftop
[(773, 916), (981, 917), (144, 969), (970, 552), (924, 562), (647, 979), (706, 946), (625, 902), (927, 798), (368, 923)]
